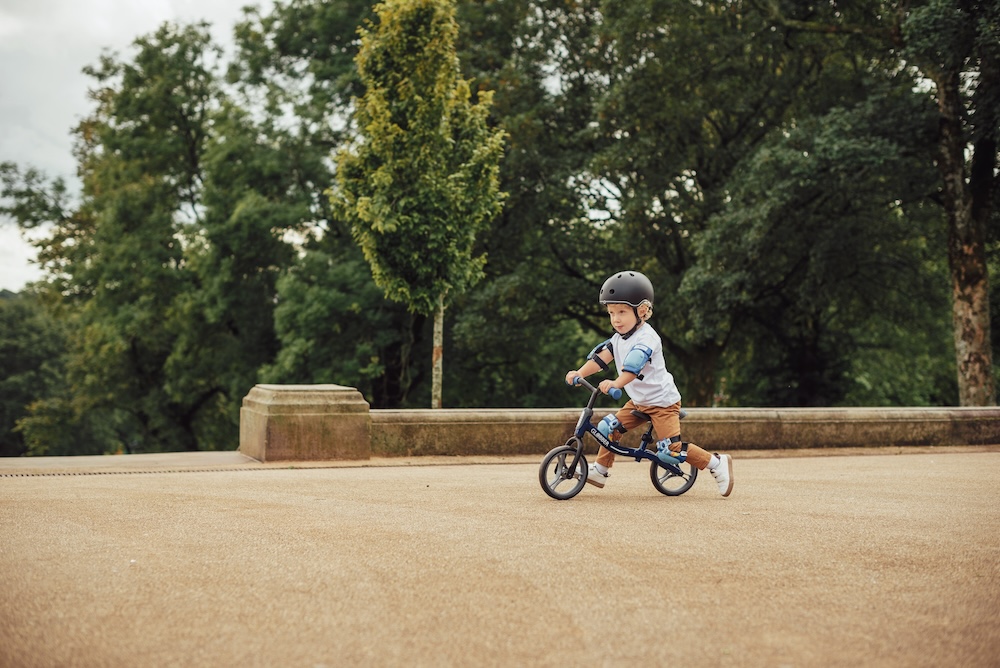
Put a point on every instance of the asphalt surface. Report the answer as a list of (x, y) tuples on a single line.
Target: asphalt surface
[(879, 560)]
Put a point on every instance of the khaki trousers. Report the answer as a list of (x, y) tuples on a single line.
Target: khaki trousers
[(666, 424)]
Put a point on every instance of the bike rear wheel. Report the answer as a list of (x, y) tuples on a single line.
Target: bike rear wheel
[(555, 474), (670, 479)]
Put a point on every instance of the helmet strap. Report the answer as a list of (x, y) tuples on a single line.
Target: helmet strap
[(638, 321)]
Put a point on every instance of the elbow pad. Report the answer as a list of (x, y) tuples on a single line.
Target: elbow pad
[(637, 359), (595, 353)]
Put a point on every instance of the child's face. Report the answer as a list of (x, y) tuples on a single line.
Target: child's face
[(622, 317)]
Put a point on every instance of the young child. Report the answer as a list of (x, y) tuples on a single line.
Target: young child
[(637, 352)]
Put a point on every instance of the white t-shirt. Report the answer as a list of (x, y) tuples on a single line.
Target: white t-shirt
[(657, 387)]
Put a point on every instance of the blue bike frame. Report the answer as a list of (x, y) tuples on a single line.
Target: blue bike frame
[(585, 426)]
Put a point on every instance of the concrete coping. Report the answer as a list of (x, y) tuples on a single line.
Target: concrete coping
[(305, 399), (471, 415), (693, 414)]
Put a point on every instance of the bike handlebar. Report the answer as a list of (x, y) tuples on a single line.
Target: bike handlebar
[(615, 393)]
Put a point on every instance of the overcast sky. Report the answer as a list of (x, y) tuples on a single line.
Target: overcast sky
[(44, 46)]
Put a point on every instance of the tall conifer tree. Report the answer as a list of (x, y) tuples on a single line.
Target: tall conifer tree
[(421, 182)]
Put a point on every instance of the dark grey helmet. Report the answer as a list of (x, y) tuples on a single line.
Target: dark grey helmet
[(627, 287)]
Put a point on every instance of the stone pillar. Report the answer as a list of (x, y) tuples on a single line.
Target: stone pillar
[(305, 423)]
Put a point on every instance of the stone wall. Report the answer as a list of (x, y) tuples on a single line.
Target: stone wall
[(326, 422)]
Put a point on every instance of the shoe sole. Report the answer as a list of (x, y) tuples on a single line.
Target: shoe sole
[(729, 465), (591, 481)]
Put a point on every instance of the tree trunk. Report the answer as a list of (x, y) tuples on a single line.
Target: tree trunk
[(438, 366), (966, 256)]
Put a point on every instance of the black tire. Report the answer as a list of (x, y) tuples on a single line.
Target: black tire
[(555, 475), (672, 480)]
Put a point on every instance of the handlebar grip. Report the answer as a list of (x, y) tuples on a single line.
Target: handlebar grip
[(615, 393)]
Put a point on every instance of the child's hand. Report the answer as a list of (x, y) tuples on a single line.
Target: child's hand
[(571, 376), (606, 386)]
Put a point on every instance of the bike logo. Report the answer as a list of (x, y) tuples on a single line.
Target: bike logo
[(601, 438)]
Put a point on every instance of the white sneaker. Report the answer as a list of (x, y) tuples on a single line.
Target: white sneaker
[(723, 474), (595, 477)]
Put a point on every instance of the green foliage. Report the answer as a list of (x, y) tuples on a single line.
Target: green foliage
[(165, 274), (30, 363), (298, 61), (938, 35), (541, 60), (29, 199), (771, 165), (423, 182), (510, 348), (140, 155), (301, 56), (822, 253), (678, 121), (335, 326)]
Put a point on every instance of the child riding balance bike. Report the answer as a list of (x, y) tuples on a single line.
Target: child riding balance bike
[(637, 352)]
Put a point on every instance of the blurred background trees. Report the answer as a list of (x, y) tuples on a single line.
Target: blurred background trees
[(776, 168)]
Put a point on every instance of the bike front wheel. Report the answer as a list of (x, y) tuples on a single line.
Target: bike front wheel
[(556, 475), (671, 479)]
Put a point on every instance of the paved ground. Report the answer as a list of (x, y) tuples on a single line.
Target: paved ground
[(881, 560)]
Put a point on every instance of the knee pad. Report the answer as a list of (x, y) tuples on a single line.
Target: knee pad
[(608, 425)]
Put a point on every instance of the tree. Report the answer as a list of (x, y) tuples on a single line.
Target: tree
[(794, 227), (827, 256), (164, 273), (31, 357), (333, 324), (954, 45), (336, 326), (140, 156), (539, 284), (422, 181), (677, 122), (300, 56)]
